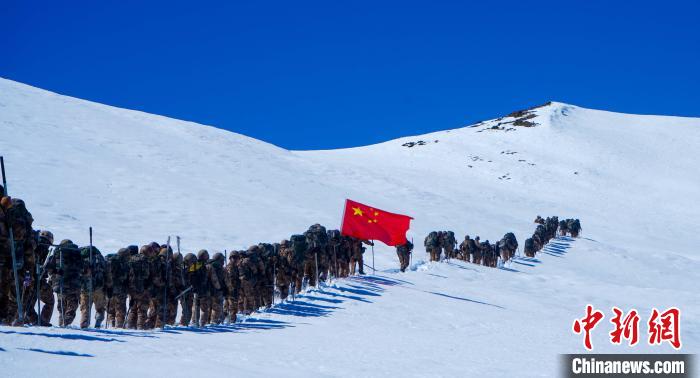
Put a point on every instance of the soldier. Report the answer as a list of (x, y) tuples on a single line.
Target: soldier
[(219, 289), (247, 273), (116, 286), (296, 260), (476, 251), (67, 267), (486, 253), (176, 284), (575, 228), (139, 288), (432, 245), (334, 242), (93, 274), (45, 293), (464, 249), (283, 270), (15, 216), (316, 254), (157, 257), (448, 243), (404, 253), (357, 251), (232, 280), (266, 280), (191, 270), (529, 248), (563, 227), (201, 287)]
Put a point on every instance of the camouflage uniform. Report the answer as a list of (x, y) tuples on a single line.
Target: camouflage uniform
[(215, 270), (266, 279), (316, 261), (432, 245), (94, 271), (176, 284), (191, 270), (356, 252), (404, 253), (247, 272), (157, 262), (343, 255), (67, 265), (116, 286), (139, 288), (283, 271), (15, 216), (447, 242), (202, 290), (41, 256), (232, 280)]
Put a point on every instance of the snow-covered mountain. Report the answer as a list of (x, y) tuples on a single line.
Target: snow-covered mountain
[(633, 181)]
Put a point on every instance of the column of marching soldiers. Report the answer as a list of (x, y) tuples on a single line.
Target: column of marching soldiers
[(484, 253), (142, 287)]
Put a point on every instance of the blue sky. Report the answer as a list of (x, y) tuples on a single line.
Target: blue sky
[(328, 74)]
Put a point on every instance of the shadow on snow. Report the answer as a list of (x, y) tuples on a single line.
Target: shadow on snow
[(58, 352)]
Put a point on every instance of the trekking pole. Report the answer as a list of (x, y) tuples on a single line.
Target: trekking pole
[(410, 255), (373, 271), (167, 281), (38, 301), (20, 313), (316, 260), (90, 266), (60, 287)]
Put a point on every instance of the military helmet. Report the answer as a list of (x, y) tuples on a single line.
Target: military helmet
[(190, 258), (145, 250), (284, 243), (203, 254), (123, 252), (155, 246), (6, 202), (177, 257), (66, 242), (218, 256), (85, 251), (46, 237), (133, 249)]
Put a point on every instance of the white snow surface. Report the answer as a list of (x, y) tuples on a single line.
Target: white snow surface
[(633, 180)]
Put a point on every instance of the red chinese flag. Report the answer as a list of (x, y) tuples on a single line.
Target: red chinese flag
[(369, 223)]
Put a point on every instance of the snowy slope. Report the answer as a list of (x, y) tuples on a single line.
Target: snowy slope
[(135, 177)]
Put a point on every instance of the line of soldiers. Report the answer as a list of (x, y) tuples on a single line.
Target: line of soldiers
[(547, 230), (470, 250), (142, 287)]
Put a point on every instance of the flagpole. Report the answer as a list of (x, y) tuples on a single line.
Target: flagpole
[(373, 271)]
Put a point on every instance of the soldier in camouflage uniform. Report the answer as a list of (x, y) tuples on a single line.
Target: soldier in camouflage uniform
[(93, 273), (176, 284), (15, 216), (139, 288), (45, 240), (218, 289), (66, 280), (356, 252), (116, 286), (283, 271), (202, 286), (448, 242), (191, 269), (404, 253), (247, 273), (233, 283), (432, 245), (157, 265), (343, 255), (266, 279)]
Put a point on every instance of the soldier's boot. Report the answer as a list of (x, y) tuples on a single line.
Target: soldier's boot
[(99, 317), (205, 308), (186, 304)]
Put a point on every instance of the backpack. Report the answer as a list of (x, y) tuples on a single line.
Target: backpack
[(432, 240), (316, 236), (116, 268), (20, 219), (298, 245), (138, 272), (71, 262)]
